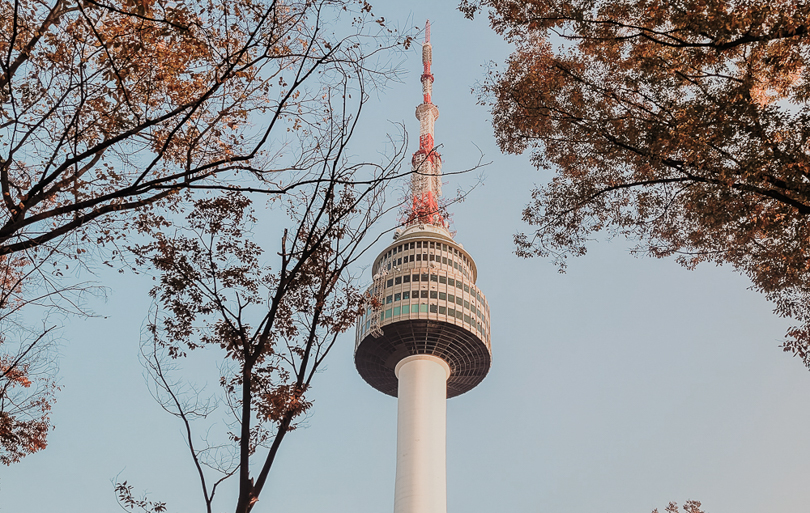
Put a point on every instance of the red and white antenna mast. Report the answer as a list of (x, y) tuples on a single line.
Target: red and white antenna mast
[(426, 180)]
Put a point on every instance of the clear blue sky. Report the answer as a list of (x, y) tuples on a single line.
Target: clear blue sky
[(615, 388)]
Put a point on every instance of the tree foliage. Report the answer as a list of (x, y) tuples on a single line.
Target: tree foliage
[(267, 319), (688, 507), (27, 360), (114, 106), (27, 389), (683, 125), (272, 326), (110, 108)]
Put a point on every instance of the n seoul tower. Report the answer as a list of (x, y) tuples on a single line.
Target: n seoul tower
[(426, 336)]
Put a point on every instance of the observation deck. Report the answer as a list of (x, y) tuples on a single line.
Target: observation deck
[(428, 305)]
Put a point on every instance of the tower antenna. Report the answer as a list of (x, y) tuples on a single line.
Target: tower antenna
[(426, 164)]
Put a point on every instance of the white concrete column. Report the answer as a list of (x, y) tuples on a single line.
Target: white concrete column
[(421, 483)]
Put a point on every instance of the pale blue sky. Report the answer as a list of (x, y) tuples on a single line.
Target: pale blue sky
[(615, 388)]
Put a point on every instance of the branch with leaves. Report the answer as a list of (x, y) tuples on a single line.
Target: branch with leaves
[(114, 114), (683, 126), (272, 323)]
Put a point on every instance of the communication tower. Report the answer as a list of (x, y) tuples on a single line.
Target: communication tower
[(425, 336)]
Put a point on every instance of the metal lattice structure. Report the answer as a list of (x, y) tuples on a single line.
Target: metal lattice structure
[(426, 179)]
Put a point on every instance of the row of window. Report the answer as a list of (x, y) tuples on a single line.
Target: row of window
[(396, 262), (432, 294), (425, 245), (460, 262), (450, 282), (432, 308), (408, 295)]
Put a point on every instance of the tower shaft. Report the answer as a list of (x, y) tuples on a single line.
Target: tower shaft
[(421, 481)]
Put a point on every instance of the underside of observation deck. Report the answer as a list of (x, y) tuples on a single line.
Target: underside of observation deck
[(466, 354)]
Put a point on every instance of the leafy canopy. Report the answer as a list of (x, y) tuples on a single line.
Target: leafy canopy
[(110, 108), (683, 125)]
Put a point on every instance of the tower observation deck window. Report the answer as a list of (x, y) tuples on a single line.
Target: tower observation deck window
[(451, 298), (388, 299), (389, 283), (451, 282), (434, 308), (425, 276), (443, 310), (397, 297), (406, 278), (397, 280), (443, 295), (423, 293), (433, 277), (406, 295), (415, 277), (442, 279), (433, 294)]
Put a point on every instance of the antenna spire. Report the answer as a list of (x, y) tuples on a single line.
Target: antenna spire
[(426, 181)]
